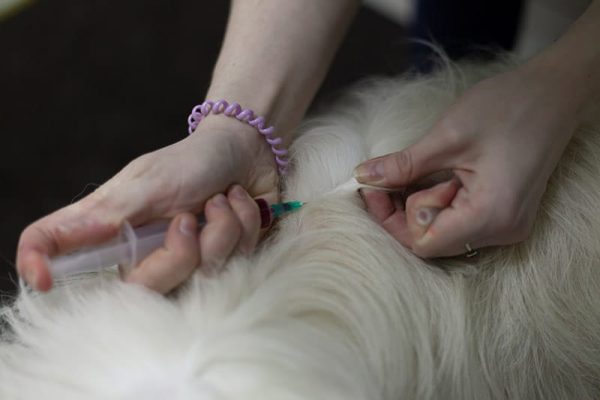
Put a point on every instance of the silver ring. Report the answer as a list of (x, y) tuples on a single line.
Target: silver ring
[(470, 252)]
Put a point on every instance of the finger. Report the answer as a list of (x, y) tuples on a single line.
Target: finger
[(92, 220), (66, 229), (423, 206), (389, 214), (170, 265), (248, 214), (379, 204), (221, 234), (452, 229), (428, 155)]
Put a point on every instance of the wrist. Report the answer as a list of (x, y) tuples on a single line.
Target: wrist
[(268, 98), (275, 55), (573, 62), (559, 76), (569, 81), (262, 97), (241, 140), (220, 125)]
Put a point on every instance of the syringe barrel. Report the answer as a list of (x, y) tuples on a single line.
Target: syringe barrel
[(129, 248), (89, 260), (143, 240)]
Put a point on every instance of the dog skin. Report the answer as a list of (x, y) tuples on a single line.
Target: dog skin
[(331, 306)]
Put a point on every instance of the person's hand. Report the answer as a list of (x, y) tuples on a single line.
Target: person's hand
[(222, 156), (501, 140)]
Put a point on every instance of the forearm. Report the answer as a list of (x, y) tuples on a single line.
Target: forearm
[(574, 60), (276, 54)]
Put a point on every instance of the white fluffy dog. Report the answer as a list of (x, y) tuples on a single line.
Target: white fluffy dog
[(331, 307)]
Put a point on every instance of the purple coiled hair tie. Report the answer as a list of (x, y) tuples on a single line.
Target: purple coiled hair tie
[(244, 115)]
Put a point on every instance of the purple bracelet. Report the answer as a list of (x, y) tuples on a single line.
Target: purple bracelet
[(244, 115)]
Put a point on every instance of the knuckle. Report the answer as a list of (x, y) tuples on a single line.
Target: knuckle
[(451, 134), (412, 202), (245, 209), (36, 235), (146, 165), (509, 220), (98, 199), (185, 256), (236, 229), (231, 226), (454, 132), (27, 232), (141, 162), (403, 163), (482, 210), (248, 215)]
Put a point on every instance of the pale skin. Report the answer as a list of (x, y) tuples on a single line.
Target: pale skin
[(274, 57), (501, 140)]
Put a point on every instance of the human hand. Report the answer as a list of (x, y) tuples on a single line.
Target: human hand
[(501, 140), (176, 181)]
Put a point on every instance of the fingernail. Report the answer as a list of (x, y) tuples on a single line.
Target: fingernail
[(369, 172), (238, 192), (220, 201), (187, 225), (425, 215)]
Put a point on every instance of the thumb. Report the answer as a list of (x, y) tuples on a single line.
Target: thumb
[(422, 207), (404, 167)]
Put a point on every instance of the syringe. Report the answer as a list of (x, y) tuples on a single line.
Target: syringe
[(134, 244)]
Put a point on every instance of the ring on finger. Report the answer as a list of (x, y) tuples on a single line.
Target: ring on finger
[(470, 251)]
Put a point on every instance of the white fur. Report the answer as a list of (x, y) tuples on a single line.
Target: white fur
[(331, 307)]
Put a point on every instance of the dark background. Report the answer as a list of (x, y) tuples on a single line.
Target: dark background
[(86, 86)]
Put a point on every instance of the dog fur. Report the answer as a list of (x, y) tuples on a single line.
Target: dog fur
[(331, 307)]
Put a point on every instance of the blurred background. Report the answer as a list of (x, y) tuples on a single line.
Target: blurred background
[(87, 86)]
